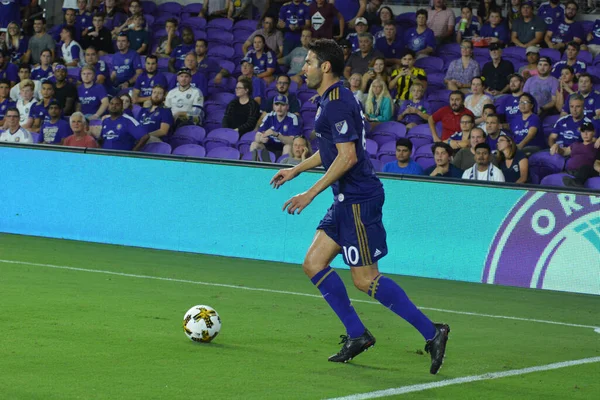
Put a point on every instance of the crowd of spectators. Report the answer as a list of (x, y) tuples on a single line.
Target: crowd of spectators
[(483, 92)]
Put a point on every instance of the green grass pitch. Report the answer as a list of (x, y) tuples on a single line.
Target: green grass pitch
[(73, 334)]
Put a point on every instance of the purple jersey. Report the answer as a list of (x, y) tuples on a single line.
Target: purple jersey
[(120, 133), (339, 119), (423, 105), (294, 14), (289, 126), (151, 120), (520, 129), (9, 72), (499, 32), (39, 110), (54, 133), (180, 52), (5, 105), (418, 42), (595, 33), (91, 98), (508, 106), (83, 21), (125, 65), (209, 67), (393, 50), (578, 68), (39, 74), (145, 83), (567, 130), (259, 88), (591, 103), (9, 11), (348, 8), (564, 33), (551, 15), (493, 142), (102, 69), (266, 60)]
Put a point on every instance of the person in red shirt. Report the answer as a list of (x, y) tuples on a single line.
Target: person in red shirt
[(450, 117), (322, 14), (80, 136)]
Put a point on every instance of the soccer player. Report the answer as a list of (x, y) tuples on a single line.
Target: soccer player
[(352, 225)]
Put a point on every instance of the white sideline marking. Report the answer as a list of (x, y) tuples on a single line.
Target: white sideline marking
[(466, 379), (158, 278)]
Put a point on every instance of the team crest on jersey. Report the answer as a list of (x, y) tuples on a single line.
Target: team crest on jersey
[(342, 127), (3, 107), (591, 102), (152, 82), (318, 113), (119, 126), (285, 128), (188, 96), (126, 61), (17, 139)]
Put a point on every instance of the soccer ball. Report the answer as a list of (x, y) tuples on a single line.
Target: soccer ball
[(201, 323)]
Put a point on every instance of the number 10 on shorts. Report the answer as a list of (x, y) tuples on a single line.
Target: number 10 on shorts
[(351, 254)]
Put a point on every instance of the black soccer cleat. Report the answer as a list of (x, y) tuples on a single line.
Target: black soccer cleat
[(353, 347), (437, 347)]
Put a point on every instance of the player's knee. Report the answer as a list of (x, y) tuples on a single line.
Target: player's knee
[(362, 283)]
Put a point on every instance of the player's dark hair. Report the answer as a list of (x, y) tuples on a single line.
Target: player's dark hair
[(442, 145), (327, 50), (5, 81), (457, 92), (15, 109), (422, 11), (489, 107), (484, 146), (405, 142), (576, 45), (71, 31), (152, 56)]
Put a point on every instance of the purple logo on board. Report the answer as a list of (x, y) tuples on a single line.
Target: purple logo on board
[(548, 241)]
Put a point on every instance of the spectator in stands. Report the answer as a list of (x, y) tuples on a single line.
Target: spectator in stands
[(83, 16), (527, 126), (373, 12), (25, 73), (38, 42), (300, 151), (212, 9), (119, 131), (295, 59), (80, 136), (460, 139), (514, 12), (406, 75), (376, 71), (40, 112), (8, 70), (551, 12), (178, 54), (13, 132), (449, 116), (593, 39), (10, 11), (242, 112), (496, 72), (168, 43), (135, 10), (378, 105), (529, 29), (485, 9), (591, 105), (488, 110), (584, 157), (208, 66), (483, 169), (417, 110), (114, 17), (64, 91), (71, 51), (25, 103), (465, 157), (142, 90), (322, 20), (543, 86), (578, 66), (44, 70), (98, 36), (55, 129), (294, 17), (493, 130), (186, 102), (346, 49), (361, 27), (496, 30), (442, 153), (100, 67), (566, 130), (403, 164), (359, 60), (127, 104), (283, 89), (477, 99), (420, 39), (561, 32), (441, 21), (272, 37), (389, 45), (512, 161), (355, 87), (138, 35), (5, 100), (466, 27), (156, 119), (258, 85), (239, 10), (566, 87), (277, 131), (70, 20), (93, 99), (462, 71), (533, 57), (352, 10), (127, 64), (263, 59), (16, 43)]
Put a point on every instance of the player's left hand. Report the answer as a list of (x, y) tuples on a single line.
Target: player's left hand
[(298, 203)]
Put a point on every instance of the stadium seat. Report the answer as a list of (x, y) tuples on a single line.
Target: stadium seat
[(436, 80), (248, 156), (74, 73), (149, 7), (517, 53), (243, 145), (190, 150), (247, 24), (439, 95), (420, 135), (219, 36), (189, 134), (157, 148), (193, 8), (212, 125), (593, 183), (552, 53), (594, 71), (195, 23), (407, 19), (451, 49), (377, 165), (542, 164), (221, 137), (224, 153), (554, 179), (222, 24), (387, 152), (430, 64), (221, 51), (169, 7), (222, 98), (37, 137), (372, 147)]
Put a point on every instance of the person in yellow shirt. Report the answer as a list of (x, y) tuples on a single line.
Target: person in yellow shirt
[(405, 75)]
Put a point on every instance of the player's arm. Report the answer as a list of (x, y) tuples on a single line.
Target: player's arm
[(288, 174), (344, 161)]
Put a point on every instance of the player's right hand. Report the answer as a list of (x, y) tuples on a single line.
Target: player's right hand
[(282, 176)]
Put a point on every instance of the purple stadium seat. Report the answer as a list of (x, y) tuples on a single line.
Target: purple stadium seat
[(243, 145), (74, 72), (449, 49), (247, 24), (222, 98), (221, 51), (430, 64), (37, 137), (425, 161), (593, 183), (193, 8), (224, 153), (190, 150), (436, 80), (149, 19), (517, 53), (248, 156), (420, 135), (423, 151), (542, 164), (157, 148), (170, 7), (308, 106), (219, 36), (212, 125), (437, 104), (482, 60), (372, 147), (594, 71), (388, 132), (149, 7), (554, 179), (195, 23), (221, 137), (387, 152), (377, 165), (438, 95), (304, 96), (282, 157), (406, 18), (215, 117), (226, 85), (583, 55), (552, 53), (189, 134), (481, 51), (221, 24)]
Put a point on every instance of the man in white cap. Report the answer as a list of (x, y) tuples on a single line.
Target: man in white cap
[(361, 26)]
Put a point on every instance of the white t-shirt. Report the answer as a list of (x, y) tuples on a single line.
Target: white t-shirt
[(189, 101), (69, 53), (20, 136), (492, 174), (70, 4), (24, 110), (15, 92)]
